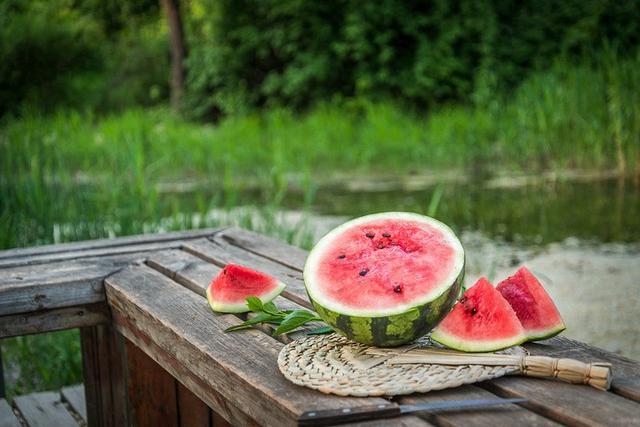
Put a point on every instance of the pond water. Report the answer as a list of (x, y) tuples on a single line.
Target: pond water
[(582, 239), (602, 211)]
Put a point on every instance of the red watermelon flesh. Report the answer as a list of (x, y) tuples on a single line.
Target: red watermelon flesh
[(385, 264), (533, 305), (228, 291), (482, 320)]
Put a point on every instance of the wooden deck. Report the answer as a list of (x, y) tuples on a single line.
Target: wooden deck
[(155, 354), (65, 408)]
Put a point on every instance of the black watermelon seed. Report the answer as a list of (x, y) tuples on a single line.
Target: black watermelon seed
[(386, 235), (370, 235), (473, 311), (343, 256), (364, 271), (397, 289), (463, 300)]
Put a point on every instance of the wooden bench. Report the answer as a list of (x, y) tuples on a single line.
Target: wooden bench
[(155, 354)]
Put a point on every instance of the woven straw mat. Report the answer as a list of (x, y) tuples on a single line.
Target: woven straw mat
[(333, 364)]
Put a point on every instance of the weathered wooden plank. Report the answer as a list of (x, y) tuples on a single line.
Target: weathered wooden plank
[(504, 416), (568, 403), (626, 372), (62, 284), (44, 409), (7, 417), (192, 411), (221, 253), (152, 391), (74, 396), (240, 367), (179, 370), (103, 365), (267, 247), (188, 270), (90, 253), (53, 320), (106, 243)]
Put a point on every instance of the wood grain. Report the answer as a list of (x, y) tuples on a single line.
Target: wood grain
[(178, 370), (503, 416), (576, 405), (626, 372), (106, 243), (53, 320), (192, 412), (31, 288), (7, 417), (44, 409), (267, 247), (103, 366), (74, 396), (240, 367), (152, 391)]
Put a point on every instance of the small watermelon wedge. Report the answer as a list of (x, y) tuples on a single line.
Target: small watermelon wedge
[(228, 291), (482, 320), (533, 305)]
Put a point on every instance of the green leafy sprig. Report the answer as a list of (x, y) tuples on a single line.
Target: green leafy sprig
[(286, 320)]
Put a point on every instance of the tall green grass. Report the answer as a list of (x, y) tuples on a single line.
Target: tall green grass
[(102, 173)]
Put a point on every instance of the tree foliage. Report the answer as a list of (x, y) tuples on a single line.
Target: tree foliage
[(293, 52)]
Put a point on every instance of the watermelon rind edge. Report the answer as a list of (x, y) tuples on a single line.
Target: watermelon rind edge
[(242, 307), (547, 333), (472, 346)]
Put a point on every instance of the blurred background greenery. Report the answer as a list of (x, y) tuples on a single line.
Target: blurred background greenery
[(340, 107)]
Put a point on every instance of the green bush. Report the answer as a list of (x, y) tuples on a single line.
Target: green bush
[(263, 53), (43, 47), (86, 56)]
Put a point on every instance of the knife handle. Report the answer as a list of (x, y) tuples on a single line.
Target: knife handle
[(345, 415)]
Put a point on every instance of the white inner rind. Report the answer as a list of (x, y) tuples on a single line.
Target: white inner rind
[(313, 262), (464, 344)]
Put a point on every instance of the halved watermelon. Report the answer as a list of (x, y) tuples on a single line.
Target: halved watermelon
[(228, 292), (385, 279), (482, 320), (533, 305)]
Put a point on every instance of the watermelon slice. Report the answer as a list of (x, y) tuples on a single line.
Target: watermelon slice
[(228, 292), (385, 279), (532, 304), (482, 320)]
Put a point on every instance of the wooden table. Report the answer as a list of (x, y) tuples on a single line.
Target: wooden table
[(155, 354)]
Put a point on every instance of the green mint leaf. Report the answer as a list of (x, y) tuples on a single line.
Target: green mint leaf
[(294, 320), (321, 330), (255, 304), (271, 308), (260, 318)]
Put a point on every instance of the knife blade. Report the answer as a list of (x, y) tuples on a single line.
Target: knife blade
[(390, 409)]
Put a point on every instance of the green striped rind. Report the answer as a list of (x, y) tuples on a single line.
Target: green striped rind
[(398, 329)]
